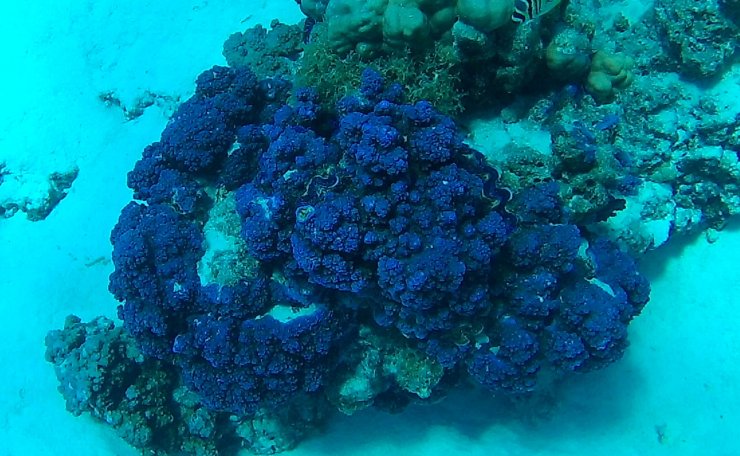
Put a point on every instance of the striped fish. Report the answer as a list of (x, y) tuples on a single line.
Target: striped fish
[(529, 9)]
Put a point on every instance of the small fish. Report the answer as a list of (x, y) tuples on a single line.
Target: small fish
[(529, 9)]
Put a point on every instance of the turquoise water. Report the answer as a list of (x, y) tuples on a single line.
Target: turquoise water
[(74, 73)]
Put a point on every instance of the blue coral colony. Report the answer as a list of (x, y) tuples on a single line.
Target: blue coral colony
[(407, 240), (409, 236), (357, 226)]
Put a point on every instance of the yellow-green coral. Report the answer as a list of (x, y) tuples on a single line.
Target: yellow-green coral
[(431, 74), (369, 27), (608, 73), (485, 15), (405, 25), (354, 26)]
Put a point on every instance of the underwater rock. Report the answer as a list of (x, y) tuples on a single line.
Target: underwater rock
[(269, 53), (102, 372), (703, 39), (33, 194)]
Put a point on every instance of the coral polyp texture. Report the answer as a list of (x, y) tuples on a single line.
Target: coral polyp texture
[(280, 255)]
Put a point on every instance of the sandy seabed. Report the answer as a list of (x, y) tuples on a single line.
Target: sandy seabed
[(675, 392)]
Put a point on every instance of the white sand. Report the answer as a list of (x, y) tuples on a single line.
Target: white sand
[(680, 374)]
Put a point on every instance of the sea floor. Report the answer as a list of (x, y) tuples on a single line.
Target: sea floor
[(675, 392)]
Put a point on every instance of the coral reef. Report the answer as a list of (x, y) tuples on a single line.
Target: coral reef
[(102, 372), (370, 27), (632, 164), (432, 74), (312, 232), (268, 53), (568, 55), (607, 74), (371, 227), (464, 52), (703, 38)]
